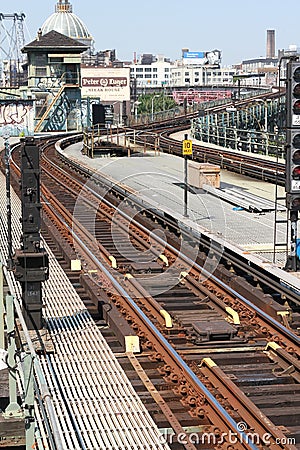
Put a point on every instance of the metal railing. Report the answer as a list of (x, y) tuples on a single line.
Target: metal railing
[(252, 141)]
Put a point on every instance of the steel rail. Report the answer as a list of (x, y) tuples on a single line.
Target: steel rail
[(229, 390), (125, 294), (99, 408), (257, 271), (295, 339), (173, 353), (191, 263)]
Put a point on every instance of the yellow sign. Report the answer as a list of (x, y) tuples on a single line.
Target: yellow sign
[(187, 147)]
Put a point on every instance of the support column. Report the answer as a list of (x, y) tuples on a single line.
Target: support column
[(13, 409), (2, 340), (293, 253), (29, 401)]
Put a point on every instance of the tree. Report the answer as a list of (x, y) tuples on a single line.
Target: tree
[(161, 102)]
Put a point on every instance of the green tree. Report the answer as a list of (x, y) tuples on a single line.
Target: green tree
[(161, 102)]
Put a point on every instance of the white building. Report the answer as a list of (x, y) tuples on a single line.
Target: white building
[(191, 75), (162, 72), (155, 73)]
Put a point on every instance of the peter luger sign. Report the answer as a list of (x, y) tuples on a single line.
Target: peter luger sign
[(106, 84)]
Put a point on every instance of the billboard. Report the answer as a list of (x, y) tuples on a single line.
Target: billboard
[(108, 84), (212, 58), (195, 96), (193, 55)]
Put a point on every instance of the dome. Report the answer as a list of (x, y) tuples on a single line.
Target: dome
[(65, 22)]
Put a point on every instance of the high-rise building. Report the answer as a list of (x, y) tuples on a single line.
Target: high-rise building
[(270, 44)]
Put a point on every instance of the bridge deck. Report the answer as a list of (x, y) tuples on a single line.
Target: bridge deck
[(96, 406)]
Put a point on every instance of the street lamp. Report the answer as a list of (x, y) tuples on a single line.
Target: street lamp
[(152, 106), (136, 104), (265, 102)]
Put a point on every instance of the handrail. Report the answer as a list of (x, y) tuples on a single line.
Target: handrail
[(38, 125), (45, 393)]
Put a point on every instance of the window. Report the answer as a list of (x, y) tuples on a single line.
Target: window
[(196, 80), (147, 75), (41, 71), (139, 69), (167, 69), (196, 73), (140, 76), (154, 69), (148, 69), (41, 60), (186, 80), (186, 73), (56, 60)]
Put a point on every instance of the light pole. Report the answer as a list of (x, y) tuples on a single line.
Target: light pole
[(152, 107), (265, 102), (136, 105)]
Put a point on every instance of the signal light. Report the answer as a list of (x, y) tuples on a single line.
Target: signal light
[(293, 130), (293, 161), (296, 173), (293, 202), (296, 74), (296, 91), (296, 106), (293, 94)]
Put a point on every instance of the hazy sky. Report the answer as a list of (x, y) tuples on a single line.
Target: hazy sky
[(235, 27)]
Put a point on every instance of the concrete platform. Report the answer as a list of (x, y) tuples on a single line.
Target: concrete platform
[(159, 179)]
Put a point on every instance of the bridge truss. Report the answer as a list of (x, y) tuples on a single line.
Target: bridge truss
[(12, 40)]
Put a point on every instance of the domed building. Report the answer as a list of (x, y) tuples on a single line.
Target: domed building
[(65, 22)]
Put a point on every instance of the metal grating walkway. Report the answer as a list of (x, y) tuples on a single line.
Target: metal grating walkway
[(96, 405)]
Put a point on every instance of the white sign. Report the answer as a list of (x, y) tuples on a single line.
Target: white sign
[(295, 185), (296, 119), (108, 84)]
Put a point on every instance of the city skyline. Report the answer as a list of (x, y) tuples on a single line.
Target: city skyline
[(165, 28)]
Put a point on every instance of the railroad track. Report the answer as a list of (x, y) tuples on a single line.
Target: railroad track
[(151, 133), (270, 283), (266, 170), (177, 316)]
